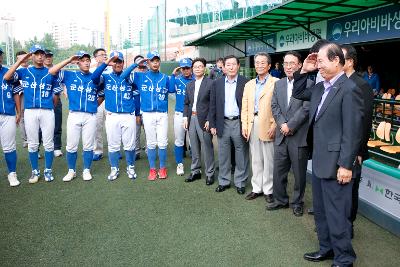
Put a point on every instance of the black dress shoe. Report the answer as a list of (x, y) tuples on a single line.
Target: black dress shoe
[(210, 180), (334, 265), (253, 195), (310, 211), (269, 198), (298, 211), (317, 256), (193, 177), (222, 188), (240, 190), (277, 206)]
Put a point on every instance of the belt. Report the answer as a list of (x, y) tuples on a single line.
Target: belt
[(194, 112), (256, 113), (232, 118)]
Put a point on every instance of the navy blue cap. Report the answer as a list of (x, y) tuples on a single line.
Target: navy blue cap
[(153, 54), (82, 53), (120, 55), (36, 48), (185, 63), (48, 52)]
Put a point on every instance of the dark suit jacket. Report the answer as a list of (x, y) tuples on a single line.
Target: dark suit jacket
[(217, 103), (203, 100), (368, 97), (295, 115), (334, 136)]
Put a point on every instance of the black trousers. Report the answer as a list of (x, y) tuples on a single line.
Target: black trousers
[(356, 185), (57, 125), (332, 207)]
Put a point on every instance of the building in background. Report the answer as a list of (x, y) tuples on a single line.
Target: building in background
[(7, 37)]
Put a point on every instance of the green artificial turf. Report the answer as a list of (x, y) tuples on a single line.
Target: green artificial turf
[(160, 223)]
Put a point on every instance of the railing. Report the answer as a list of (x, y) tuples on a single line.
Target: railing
[(386, 110)]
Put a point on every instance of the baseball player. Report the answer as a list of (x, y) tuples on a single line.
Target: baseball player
[(153, 87), (84, 97), (9, 102), (40, 95), (100, 56), (120, 113), (179, 83)]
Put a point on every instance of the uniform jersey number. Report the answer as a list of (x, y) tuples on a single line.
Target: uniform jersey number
[(8, 94), (127, 95), (91, 97), (45, 93)]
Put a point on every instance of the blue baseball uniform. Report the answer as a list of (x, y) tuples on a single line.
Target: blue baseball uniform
[(83, 95), (153, 89), (39, 88), (120, 107), (179, 83), (7, 120)]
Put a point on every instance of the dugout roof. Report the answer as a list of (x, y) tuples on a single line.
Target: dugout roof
[(290, 14)]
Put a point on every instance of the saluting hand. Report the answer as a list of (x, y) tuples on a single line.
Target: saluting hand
[(175, 71), (74, 59), (310, 63), (23, 58)]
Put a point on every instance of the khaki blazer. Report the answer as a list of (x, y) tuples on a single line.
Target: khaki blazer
[(265, 118)]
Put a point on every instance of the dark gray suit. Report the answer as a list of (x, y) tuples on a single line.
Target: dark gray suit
[(200, 140), (368, 97), (334, 137), (291, 150), (229, 131)]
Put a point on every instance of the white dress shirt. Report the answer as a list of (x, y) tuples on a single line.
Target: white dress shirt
[(197, 84)]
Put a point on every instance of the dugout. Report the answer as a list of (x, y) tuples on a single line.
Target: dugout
[(373, 27)]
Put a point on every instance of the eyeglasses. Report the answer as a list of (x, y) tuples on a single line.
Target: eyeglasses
[(261, 63), (289, 64), (198, 67)]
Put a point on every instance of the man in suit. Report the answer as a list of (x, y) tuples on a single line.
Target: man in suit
[(334, 135), (258, 126), (350, 55), (224, 118), (291, 149), (196, 106)]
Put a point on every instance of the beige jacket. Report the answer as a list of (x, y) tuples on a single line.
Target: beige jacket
[(266, 120)]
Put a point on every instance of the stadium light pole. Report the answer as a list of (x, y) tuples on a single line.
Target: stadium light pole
[(165, 30)]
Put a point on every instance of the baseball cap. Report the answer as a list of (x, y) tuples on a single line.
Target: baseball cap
[(36, 48), (1, 51), (48, 52), (82, 53), (120, 55), (151, 55), (185, 63)]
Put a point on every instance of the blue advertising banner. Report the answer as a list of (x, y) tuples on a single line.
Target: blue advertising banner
[(253, 46), (378, 24)]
